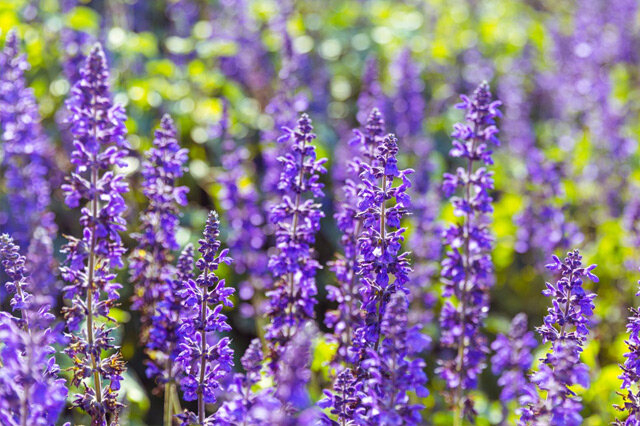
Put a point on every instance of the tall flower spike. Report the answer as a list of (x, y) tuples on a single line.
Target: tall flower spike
[(406, 106), (297, 218), (99, 144), (379, 258), (380, 242), (240, 199), (246, 406), (163, 346), (30, 391), (150, 263), (205, 363), (512, 360), (394, 371), (631, 372), (566, 327), (467, 268), (28, 162), (346, 317)]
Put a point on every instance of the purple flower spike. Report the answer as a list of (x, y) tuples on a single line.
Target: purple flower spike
[(150, 263), (631, 372), (292, 295), (30, 391), (346, 317), (566, 327), (205, 364), (241, 200), (467, 268), (27, 162), (260, 408), (99, 144), (394, 371), (512, 361)]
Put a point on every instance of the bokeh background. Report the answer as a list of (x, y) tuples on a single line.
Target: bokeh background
[(567, 72)]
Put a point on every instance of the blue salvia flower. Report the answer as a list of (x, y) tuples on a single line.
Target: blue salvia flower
[(292, 295), (566, 327), (241, 199), (379, 259), (163, 345), (99, 144), (371, 95), (467, 268), (30, 391), (379, 244), (347, 316), (246, 406), (284, 108), (150, 263), (28, 162), (406, 107), (394, 371), (205, 363), (511, 362), (631, 370)]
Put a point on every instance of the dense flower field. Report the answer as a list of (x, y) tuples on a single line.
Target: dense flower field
[(331, 212)]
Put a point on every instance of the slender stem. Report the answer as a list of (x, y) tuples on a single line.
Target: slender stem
[(168, 414), (175, 399), (24, 409), (203, 348), (294, 228), (92, 267), (383, 241), (467, 264)]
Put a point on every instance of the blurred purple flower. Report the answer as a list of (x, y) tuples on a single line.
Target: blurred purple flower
[(28, 164), (30, 391), (150, 263)]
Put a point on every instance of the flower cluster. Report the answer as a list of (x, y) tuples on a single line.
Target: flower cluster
[(394, 371), (30, 391), (245, 217), (467, 268), (379, 243), (297, 218), (406, 108), (371, 96), (631, 371), (28, 163), (260, 408), (150, 267), (205, 363), (163, 347), (99, 144), (347, 315), (566, 326), (512, 361)]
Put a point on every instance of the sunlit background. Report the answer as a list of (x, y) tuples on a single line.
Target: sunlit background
[(566, 71)]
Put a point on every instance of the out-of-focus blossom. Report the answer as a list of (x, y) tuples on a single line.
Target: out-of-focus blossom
[(27, 163), (30, 391), (512, 360), (150, 264)]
